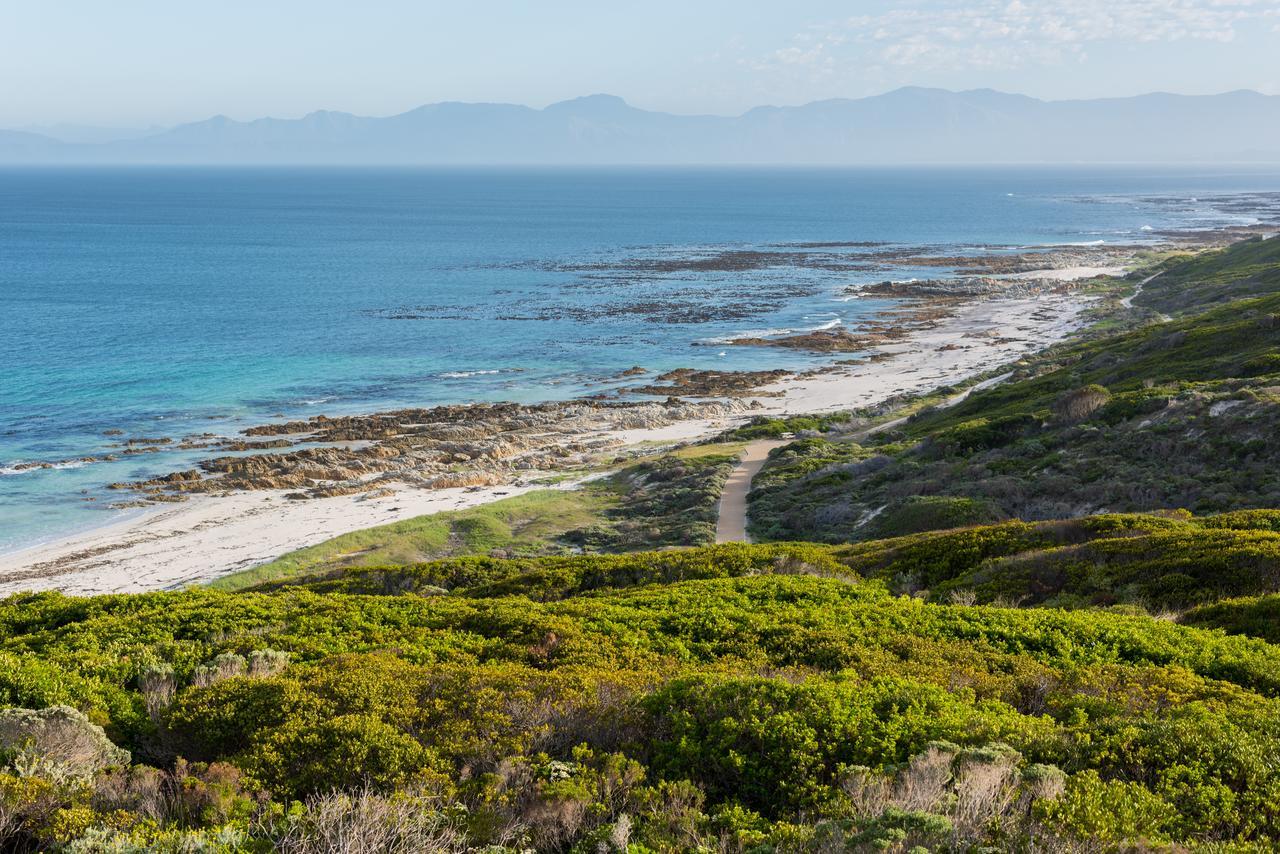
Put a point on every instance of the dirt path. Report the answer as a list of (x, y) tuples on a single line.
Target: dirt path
[(1127, 302), (731, 527), (946, 404)]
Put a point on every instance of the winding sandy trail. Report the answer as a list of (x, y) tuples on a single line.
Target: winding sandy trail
[(946, 404), (731, 526), (1127, 302)]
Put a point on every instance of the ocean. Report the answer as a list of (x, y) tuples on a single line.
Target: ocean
[(165, 303)]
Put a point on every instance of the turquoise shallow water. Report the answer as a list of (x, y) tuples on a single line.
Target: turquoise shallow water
[(166, 302)]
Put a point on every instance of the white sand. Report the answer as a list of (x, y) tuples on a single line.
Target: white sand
[(978, 337), (1070, 274), (209, 536)]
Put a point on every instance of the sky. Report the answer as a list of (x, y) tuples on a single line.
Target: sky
[(142, 63)]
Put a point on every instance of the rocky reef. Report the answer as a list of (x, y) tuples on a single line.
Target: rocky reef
[(964, 288), (894, 325), (1004, 261), (820, 341), (709, 383), (434, 448)]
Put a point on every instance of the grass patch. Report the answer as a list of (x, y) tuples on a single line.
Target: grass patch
[(522, 525), (667, 500)]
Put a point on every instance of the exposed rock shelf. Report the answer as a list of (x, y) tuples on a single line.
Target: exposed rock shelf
[(440, 447)]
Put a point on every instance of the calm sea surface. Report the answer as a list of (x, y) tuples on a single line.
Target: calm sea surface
[(170, 302)]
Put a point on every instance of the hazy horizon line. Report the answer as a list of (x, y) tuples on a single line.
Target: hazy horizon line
[(154, 127)]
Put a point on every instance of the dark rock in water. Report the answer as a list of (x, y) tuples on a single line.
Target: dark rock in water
[(970, 287), (148, 440), (239, 445), (695, 383), (820, 341)]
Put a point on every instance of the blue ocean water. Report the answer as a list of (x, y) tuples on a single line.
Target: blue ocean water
[(169, 302)]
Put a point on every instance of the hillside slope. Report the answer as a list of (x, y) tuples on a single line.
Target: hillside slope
[(1179, 413)]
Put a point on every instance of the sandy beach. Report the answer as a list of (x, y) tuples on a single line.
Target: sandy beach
[(211, 536), (978, 337)]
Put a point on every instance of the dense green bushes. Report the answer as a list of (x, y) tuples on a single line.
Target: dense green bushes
[(927, 559), (1203, 447), (1248, 268), (763, 427), (981, 434), (738, 704), (1168, 561), (932, 513), (1256, 616), (780, 748), (1208, 453), (1162, 562), (552, 578)]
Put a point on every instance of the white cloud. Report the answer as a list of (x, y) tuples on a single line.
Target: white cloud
[(1009, 34)]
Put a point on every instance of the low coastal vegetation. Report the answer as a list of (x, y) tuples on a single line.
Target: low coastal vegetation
[(763, 698), (1038, 618), (1163, 563)]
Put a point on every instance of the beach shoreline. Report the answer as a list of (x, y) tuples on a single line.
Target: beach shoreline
[(976, 338), (210, 536)]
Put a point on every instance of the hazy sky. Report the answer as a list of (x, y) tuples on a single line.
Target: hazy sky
[(143, 62)]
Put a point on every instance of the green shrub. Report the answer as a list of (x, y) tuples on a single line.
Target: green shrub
[(1255, 616), (302, 757), (981, 434), (1110, 811), (764, 427), (779, 747), (931, 513), (1245, 520)]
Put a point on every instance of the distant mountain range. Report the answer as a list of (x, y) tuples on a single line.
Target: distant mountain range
[(911, 125)]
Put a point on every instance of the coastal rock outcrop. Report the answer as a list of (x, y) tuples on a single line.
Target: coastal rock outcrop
[(968, 287), (819, 341), (445, 446), (709, 383)]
